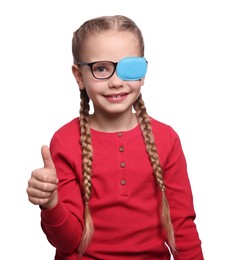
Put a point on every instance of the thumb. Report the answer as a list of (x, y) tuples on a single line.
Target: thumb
[(47, 159)]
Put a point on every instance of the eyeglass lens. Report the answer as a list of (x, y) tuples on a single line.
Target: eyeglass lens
[(103, 69)]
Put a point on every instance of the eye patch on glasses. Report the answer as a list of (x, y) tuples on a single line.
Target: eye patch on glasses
[(132, 68), (129, 68)]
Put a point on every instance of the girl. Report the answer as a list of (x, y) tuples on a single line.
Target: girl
[(114, 184)]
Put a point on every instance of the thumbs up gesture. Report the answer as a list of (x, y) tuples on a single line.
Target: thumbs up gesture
[(42, 185)]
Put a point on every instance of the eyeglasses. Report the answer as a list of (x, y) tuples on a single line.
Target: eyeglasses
[(130, 68), (101, 69)]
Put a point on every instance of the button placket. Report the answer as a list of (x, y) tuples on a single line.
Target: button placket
[(123, 178)]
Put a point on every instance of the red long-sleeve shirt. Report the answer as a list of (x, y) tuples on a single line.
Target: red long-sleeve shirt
[(125, 203)]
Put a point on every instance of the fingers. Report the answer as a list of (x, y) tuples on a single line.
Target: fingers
[(45, 200), (42, 180), (43, 177), (42, 188), (47, 159), (42, 185)]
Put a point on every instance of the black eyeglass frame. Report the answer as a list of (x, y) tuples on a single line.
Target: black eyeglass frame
[(90, 64)]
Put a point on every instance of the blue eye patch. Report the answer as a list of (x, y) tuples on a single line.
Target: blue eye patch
[(132, 68)]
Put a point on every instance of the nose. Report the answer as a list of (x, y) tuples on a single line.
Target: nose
[(115, 81)]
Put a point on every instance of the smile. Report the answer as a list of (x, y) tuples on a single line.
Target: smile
[(116, 97)]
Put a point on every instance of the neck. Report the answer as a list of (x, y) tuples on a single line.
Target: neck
[(113, 123)]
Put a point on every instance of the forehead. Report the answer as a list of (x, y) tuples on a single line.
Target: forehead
[(110, 45)]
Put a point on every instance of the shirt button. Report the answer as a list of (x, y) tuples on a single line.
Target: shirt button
[(121, 148), (122, 164), (120, 134), (123, 182)]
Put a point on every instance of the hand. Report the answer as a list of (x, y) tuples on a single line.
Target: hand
[(42, 185)]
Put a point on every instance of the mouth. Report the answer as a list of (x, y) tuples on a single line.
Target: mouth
[(117, 97)]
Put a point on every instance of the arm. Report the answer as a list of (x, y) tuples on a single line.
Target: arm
[(63, 223), (179, 195)]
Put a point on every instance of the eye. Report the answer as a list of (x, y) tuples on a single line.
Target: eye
[(102, 67), (99, 68)]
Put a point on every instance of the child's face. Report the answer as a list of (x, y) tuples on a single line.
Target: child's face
[(112, 95)]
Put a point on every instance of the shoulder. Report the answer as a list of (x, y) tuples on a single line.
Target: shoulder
[(161, 128), (72, 128), (65, 142), (168, 142), (67, 134), (164, 134)]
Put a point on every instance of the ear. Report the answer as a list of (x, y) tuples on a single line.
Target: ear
[(78, 76)]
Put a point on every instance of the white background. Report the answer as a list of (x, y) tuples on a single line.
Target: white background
[(187, 87)]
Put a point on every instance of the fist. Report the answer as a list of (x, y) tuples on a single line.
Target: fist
[(42, 185)]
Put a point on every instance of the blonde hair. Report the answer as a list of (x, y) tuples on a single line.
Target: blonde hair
[(96, 25)]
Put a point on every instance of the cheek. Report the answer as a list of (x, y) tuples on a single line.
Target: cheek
[(136, 85), (87, 81), (92, 88), (142, 81)]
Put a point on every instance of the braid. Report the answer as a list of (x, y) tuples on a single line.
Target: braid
[(87, 158), (144, 122)]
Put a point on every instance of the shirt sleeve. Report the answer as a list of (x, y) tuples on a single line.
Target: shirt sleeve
[(63, 224), (180, 199)]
